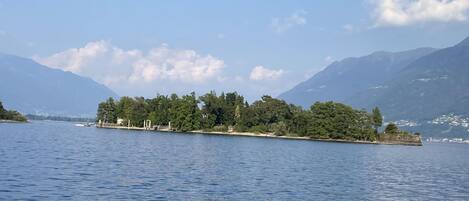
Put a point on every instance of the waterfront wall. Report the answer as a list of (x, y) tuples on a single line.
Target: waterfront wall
[(405, 139)]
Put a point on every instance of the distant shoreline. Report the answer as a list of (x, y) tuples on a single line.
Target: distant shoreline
[(248, 134), (11, 121)]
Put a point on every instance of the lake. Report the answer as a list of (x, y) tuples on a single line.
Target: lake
[(58, 161)]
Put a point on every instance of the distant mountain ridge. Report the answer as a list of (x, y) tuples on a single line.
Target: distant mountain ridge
[(433, 85), (32, 88), (423, 89), (343, 79)]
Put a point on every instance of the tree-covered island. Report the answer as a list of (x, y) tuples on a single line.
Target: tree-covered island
[(231, 113), (10, 115)]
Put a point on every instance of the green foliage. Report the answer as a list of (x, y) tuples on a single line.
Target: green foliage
[(269, 110), (138, 112), (124, 108), (258, 129), (159, 110), (212, 112), (391, 128), (221, 110), (11, 114), (107, 111), (339, 121), (279, 129), (377, 118), (2, 110), (15, 116), (221, 128)]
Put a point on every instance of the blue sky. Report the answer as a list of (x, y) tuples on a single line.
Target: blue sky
[(254, 47)]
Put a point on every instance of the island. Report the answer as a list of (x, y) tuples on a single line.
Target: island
[(7, 116), (231, 114)]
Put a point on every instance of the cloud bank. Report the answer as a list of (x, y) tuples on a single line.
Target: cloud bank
[(407, 12), (116, 67), (261, 73)]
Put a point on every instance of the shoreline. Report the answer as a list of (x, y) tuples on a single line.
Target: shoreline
[(12, 121), (248, 134)]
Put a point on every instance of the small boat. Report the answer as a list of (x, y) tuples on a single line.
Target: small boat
[(85, 125)]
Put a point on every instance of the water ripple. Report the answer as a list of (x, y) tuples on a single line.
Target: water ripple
[(57, 161)]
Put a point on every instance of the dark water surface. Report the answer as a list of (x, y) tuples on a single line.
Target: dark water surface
[(58, 161)]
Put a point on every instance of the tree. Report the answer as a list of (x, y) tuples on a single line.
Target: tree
[(377, 118), (269, 110), (11, 114), (279, 128), (300, 121), (391, 128), (1, 107), (328, 120), (107, 111), (158, 109), (2, 111), (124, 107)]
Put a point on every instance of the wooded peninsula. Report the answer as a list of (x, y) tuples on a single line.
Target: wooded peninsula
[(230, 112), (11, 115)]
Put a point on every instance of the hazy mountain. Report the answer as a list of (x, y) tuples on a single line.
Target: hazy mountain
[(340, 80), (423, 90), (29, 87), (433, 85)]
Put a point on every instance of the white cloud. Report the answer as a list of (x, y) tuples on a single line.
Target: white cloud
[(407, 12), (281, 25), (262, 73), (116, 67)]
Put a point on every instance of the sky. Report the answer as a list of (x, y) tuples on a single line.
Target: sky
[(142, 48)]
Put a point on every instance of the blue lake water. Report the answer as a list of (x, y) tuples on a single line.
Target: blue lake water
[(58, 161)]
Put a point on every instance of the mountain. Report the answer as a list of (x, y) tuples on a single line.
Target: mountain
[(29, 87), (433, 85), (423, 90), (343, 79)]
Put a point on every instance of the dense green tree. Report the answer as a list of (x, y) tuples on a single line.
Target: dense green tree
[(279, 129), (377, 118), (269, 110), (212, 110), (244, 117), (2, 111), (138, 112), (221, 110), (11, 114), (107, 111), (391, 128), (159, 110), (339, 121), (186, 113), (362, 129), (267, 115), (124, 108), (300, 121)]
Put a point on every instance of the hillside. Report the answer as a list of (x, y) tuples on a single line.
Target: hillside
[(431, 86), (424, 89), (343, 79), (31, 88)]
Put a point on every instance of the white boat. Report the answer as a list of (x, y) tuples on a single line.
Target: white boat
[(85, 125)]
